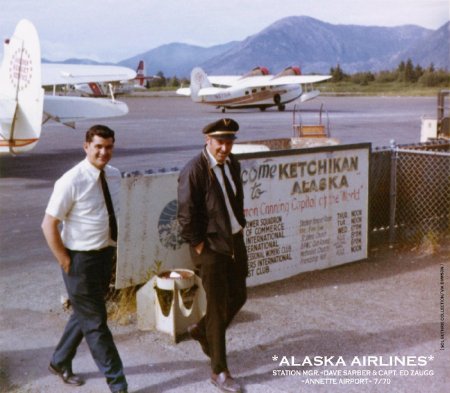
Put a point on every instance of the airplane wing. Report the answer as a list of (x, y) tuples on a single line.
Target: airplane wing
[(69, 109), (209, 91), (224, 80), (266, 80), (206, 91), (63, 74), (184, 91), (299, 79)]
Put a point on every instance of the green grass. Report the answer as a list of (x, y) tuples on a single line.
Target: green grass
[(371, 89), (163, 88), (374, 88)]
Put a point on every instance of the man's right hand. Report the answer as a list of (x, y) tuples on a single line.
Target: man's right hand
[(54, 241), (199, 248), (65, 264)]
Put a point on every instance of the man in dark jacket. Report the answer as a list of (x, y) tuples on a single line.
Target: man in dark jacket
[(211, 216)]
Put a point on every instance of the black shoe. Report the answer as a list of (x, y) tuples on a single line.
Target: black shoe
[(67, 375), (197, 335)]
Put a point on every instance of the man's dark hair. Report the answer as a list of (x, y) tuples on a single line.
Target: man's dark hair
[(99, 130)]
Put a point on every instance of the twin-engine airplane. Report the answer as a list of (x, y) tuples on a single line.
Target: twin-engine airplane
[(256, 89), (22, 99), (104, 89)]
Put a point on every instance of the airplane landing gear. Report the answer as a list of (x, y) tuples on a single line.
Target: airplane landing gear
[(281, 107), (223, 110)]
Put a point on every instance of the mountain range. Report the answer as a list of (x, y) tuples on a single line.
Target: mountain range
[(313, 45)]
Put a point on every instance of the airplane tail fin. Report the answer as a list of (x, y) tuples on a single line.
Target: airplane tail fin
[(140, 73), (96, 89), (199, 80), (21, 94)]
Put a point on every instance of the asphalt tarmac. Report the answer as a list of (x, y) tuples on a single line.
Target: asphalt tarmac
[(385, 306)]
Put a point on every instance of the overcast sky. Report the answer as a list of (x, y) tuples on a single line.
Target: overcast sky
[(113, 30)]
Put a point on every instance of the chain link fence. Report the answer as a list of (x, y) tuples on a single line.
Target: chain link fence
[(409, 196)]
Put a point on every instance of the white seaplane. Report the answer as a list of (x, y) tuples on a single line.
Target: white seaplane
[(104, 89), (256, 89), (24, 106)]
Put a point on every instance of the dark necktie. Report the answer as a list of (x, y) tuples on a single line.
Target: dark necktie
[(109, 206), (230, 193)]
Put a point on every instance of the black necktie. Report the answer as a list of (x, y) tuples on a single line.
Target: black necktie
[(230, 192), (109, 207)]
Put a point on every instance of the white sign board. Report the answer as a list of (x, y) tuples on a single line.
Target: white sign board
[(305, 210)]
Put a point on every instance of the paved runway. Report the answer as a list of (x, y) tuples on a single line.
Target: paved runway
[(366, 308)]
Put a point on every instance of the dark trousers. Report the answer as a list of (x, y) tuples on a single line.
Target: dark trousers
[(87, 284), (224, 281)]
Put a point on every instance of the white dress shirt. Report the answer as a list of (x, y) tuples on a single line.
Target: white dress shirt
[(77, 200), (235, 226)]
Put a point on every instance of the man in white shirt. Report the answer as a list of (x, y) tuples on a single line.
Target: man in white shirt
[(84, 201)]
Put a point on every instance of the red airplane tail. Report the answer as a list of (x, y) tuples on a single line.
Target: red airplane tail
[(140, 73), (96, 89)]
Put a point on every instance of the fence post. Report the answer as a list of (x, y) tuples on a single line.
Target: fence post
[(393, 192)]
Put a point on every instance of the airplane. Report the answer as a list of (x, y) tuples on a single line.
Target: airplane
[(256, 89), (97, 89), (24, 106)]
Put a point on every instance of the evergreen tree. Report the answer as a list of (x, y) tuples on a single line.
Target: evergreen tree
[(337, 74), (409, 72), (160, 81)]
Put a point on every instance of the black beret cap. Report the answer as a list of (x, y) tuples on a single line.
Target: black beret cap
[(222, 129)]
